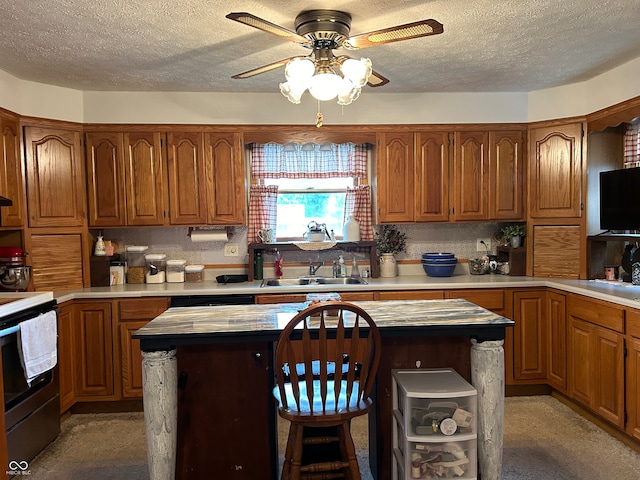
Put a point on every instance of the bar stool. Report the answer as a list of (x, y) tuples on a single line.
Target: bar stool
[(319, 341)]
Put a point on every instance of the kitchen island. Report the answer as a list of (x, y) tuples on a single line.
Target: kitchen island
[(215, 343)]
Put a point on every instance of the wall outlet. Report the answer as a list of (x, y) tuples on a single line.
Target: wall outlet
[(480, 247), (230, 249)]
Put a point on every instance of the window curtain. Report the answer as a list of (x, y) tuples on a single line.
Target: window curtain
[(632, 144), (358, 205), (310, 160), (263, 204)]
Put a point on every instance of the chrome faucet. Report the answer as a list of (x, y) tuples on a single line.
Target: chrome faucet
[(313, 269)]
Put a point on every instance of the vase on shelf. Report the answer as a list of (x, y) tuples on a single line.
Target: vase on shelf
[(388, 266), (516, 242)]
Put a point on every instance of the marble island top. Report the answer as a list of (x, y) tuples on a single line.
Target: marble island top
[(185, 324)]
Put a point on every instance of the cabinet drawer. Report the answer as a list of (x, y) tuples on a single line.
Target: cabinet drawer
[(597, 312), (633, 322), (490, 299), (142, 308)]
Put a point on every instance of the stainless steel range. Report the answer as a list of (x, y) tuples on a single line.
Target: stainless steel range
[(32, 411)]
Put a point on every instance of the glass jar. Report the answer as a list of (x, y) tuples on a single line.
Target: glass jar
[(135, 263), (175, 271), (156, 267), (193, 273)]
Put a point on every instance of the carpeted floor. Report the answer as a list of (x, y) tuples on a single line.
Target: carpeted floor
[(544, 439)]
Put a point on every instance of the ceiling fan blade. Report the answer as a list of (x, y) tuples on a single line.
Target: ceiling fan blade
[(265, 26), (265, 68), (422, 28), (377, 80)]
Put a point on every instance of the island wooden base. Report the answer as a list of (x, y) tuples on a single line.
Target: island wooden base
[(226, 418)]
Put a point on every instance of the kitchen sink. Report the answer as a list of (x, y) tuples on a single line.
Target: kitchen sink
[(287, 282)]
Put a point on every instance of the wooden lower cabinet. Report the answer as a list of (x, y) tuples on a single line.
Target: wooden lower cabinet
[(529, 335), (134, 314), (93, 331), (596, 357), (556, 313), (66, 356), (633, 387)]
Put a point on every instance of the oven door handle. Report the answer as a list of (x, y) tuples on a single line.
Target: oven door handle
[(9, 331)]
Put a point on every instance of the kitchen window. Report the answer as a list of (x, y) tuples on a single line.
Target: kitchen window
[(294, 184)]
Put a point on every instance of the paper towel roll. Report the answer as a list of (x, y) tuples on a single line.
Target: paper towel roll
[(209, 236)]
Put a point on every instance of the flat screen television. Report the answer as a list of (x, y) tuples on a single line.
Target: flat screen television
[(620, 199)]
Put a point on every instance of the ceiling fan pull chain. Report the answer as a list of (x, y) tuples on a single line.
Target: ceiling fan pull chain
[(319, 116)]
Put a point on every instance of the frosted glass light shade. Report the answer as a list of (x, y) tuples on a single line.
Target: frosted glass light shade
[(299, 70), (293, 91), (358, 71), (325, 86)]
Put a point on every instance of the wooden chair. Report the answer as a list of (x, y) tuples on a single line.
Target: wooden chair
[(324, 339)]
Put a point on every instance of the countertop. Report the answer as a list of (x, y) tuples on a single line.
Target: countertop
[(623, 294), (16, 302)]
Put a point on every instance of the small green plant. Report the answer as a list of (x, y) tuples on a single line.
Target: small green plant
[(391, 240), (514, 230)]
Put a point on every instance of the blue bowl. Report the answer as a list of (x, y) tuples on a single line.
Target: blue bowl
[(438, 254), (440, 260), (439, 270)]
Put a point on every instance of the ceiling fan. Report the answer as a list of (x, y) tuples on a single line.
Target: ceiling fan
[(323, 31)]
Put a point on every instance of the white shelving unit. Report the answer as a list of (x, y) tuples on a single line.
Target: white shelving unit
[(434, 425)]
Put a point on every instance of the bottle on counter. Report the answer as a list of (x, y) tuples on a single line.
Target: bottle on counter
[(342, 268), (278, 265), (258, 266), (355, 272), (100, 250)]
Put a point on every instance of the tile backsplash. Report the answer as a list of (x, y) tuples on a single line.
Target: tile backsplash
[(458, 238)]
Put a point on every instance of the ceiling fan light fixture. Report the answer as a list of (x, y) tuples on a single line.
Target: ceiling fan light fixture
[(358, 71), (325, 86), (293, 91), (299, 70)]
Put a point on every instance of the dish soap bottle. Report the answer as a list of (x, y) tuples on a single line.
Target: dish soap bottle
[(342, 268), (278, 265)]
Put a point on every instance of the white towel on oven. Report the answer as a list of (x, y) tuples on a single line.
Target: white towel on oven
[(37, 344)]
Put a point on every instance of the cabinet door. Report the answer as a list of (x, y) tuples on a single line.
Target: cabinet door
[(93, 342), (66, 356), (529, 335), (557, 340), (608, 398), (471, 176), (395, 172), (187, 178), (226, 195), (411, 295), (506, 175), (633, 387), (105, 167), (135, 314), (555, 171), (11, 179), (144, 176), (556, 251), (432, 177), (581, 375), (55, 175)]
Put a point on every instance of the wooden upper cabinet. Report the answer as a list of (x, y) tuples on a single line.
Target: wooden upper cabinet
[(432, 176), (187, 178), (506, 175), (11, 179), (55, 175), (395, 171), (105, 171), (555, 171), (144, 178), (226, 193), (471, 175)]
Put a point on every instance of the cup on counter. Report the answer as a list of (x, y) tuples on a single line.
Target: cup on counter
[(266, 235), (610, 272)]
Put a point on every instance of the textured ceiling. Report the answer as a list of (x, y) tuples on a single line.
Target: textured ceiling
[(189, 45)]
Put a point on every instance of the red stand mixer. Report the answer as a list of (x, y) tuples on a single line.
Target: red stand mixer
[(14, 273)]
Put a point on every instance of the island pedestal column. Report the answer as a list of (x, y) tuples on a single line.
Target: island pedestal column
[(160, 401), (487, 376)]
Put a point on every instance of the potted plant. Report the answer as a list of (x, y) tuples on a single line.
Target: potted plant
[(389, 241), (514, 233)]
